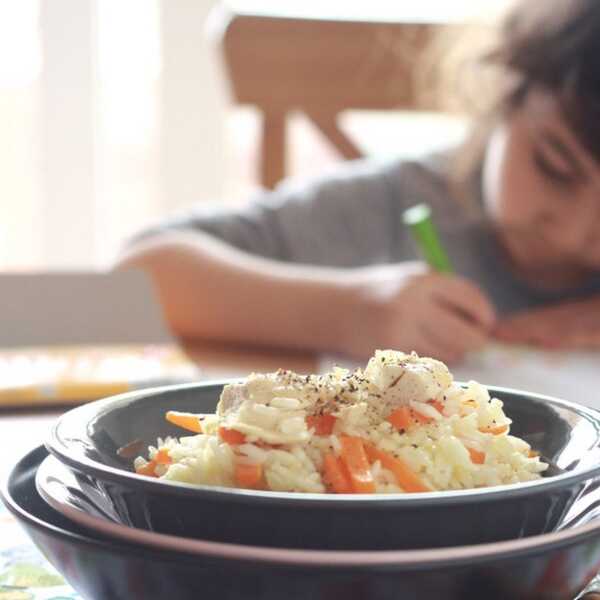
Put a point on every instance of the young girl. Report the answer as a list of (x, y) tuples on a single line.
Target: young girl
[(328, 265)]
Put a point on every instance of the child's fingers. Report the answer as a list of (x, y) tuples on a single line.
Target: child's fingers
[(520, 333), (465, 297), (434, 346), (509, 331), (543, 330), (575, 340), (462, 334)]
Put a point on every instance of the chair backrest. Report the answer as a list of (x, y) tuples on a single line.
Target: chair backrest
[(323, 65), (79, 308), (319, 67)]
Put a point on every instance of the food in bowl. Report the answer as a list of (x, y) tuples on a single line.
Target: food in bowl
[(400, 425)]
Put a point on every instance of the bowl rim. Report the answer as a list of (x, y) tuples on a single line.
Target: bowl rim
[(314, 559), (91, 467)]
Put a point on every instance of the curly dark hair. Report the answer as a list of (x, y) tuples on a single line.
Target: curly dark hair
[(555, 45), (551, 45)]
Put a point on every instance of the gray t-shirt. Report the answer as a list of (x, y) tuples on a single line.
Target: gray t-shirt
[(353, 217)]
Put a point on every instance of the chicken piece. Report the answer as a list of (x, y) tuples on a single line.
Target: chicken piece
[(261, 388), (404, 377), (232, 397)]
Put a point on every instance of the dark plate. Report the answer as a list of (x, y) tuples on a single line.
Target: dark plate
[(87, 438), (551, 567)]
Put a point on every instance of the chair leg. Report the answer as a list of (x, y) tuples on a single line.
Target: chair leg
[(327, 125), (273, 155)]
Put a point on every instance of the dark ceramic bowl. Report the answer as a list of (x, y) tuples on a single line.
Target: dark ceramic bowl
[(87, 439), (555, 566)]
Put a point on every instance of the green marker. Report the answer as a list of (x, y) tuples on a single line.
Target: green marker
[(418, 218)]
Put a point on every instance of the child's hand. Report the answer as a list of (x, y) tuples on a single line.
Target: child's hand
[(407, 307), (567, 325)]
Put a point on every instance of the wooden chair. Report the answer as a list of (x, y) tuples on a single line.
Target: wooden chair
[(319, 67)]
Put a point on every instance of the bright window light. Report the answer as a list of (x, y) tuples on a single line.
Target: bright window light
[(20, 52)]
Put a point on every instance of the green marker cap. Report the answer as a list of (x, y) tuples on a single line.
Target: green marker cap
[(418, 219)]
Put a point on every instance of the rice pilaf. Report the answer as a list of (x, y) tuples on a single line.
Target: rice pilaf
[(399, 425)]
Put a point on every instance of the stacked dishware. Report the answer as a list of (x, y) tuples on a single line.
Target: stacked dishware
[(117, 534)]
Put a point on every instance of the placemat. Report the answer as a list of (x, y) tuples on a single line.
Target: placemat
[(24, 573), (61, 375)]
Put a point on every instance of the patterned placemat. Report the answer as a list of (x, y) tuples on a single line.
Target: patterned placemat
[(24, 573)]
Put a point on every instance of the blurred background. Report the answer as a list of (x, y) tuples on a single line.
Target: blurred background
[(116, 114)]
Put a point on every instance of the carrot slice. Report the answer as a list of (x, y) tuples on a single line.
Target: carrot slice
[(533, 454), (437, 404), (407, 479), (248, 476), (400, 418), (354, 457), (421, 417), (495, 430), (162, 457), (147, 469), (231, 436), (322, 424), (188, 421), (477, 457), (336, 475), (404, 417)]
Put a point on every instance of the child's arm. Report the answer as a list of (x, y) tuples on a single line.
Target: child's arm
[(567, 325), (211, 290)]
